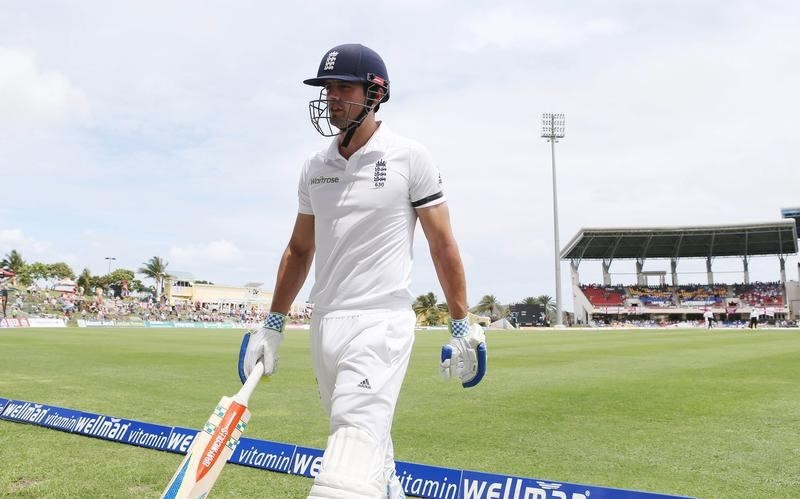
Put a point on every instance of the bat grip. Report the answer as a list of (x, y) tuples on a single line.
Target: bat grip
[(243, 395)]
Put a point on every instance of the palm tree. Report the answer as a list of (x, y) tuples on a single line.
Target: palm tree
[(14, 262), (490, 305), (549, 306), (156, 269), (530, 300), (428, 308)]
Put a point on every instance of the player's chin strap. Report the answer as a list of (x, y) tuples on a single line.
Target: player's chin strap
[(351, 128)]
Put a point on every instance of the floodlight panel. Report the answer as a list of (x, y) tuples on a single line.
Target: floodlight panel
[(553, 125)]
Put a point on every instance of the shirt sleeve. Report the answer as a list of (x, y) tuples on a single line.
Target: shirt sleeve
[(426, 181), (303, 197)]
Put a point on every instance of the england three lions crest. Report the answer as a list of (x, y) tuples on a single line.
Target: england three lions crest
[(379, 174)]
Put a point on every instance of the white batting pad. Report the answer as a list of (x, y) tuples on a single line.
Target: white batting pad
[(352, 467)]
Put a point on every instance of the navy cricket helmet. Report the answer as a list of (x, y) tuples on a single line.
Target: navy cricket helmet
[(352, 62)]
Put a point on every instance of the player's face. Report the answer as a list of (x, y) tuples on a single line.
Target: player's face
[(343, 101)]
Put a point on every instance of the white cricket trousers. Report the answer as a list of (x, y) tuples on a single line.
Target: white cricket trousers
[(360, 359)]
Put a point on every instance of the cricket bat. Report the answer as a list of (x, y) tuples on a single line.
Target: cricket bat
[(214, 444)]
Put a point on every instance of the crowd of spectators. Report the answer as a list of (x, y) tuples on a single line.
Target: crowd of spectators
[(691, 295), (612, 322), (760, 293), (651, 296), (106, 306), (702, 294), (643, 323)]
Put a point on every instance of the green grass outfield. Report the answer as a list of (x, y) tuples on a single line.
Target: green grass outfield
[(707, 414)]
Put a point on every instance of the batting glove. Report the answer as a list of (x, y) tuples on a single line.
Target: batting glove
[(465, 356), (262, 345)]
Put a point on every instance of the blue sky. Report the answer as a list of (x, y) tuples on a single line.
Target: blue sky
[(178, 129)]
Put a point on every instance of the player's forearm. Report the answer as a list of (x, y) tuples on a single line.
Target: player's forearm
[(450, 271), (292, 273)]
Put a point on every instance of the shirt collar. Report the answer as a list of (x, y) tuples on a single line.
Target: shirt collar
[(375, 146)]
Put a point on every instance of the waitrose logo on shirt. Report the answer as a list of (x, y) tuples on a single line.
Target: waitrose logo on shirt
[(324, 180)]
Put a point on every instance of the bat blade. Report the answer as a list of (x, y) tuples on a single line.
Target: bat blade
[(213, 445), (211, 449)]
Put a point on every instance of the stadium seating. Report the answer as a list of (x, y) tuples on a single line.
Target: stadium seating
[(604, 296), (689, 295), (760, 293), (651, 296)]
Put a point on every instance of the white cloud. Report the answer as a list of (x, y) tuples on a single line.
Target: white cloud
[(507, 27), (220, 251), (32, 249), (15, 239), (30, 94)]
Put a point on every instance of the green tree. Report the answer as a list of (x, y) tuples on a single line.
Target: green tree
[(37, 271), (428, 308), (156, 269), (13, 260), (549, 306), (85, 281), (505, 311), (49, 272), (489, 305), (60, 270), (530, 300), (118, 275), (115, 278), (136, 286)]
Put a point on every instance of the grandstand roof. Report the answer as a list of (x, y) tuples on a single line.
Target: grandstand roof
[(773, 238)]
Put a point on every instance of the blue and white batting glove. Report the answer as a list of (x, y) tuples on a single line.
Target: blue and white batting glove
[(465, 356), (262, 345)]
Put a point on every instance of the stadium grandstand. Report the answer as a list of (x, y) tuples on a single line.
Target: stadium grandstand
[(181, 289), (668, 301)]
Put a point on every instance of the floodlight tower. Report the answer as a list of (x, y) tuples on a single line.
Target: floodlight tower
[(110, 259), (553, 129)]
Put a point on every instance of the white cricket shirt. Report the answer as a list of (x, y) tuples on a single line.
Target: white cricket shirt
[(364, 220)]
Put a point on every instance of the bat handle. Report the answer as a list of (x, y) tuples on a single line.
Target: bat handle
[(243, 395)]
